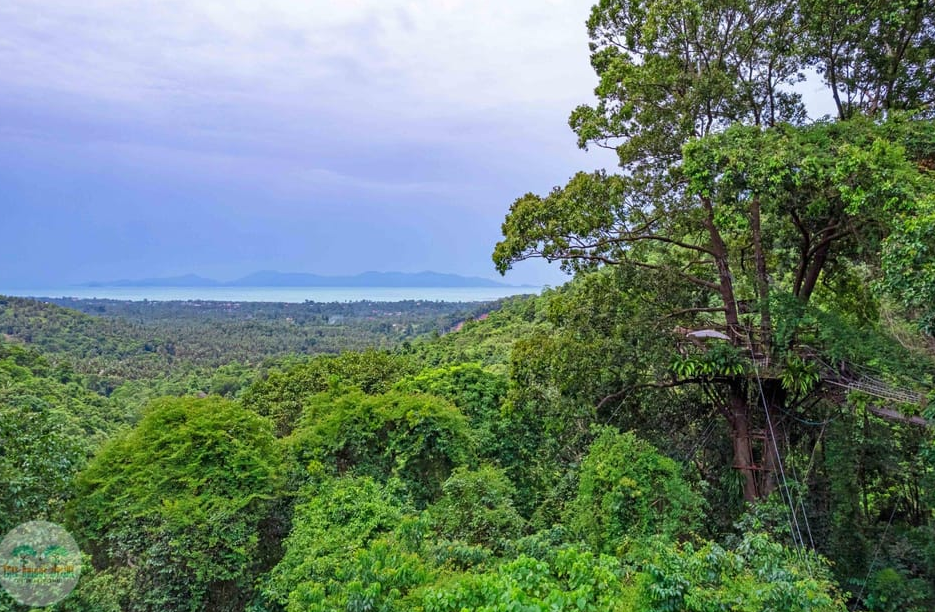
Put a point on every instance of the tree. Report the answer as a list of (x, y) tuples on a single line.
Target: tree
[(179, 503), (569, 579), (281, 394), (335, 517), (874, 56), (757, 575), (727, 188)]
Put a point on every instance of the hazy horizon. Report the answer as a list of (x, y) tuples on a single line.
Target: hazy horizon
[(163, 139), (274, 294)]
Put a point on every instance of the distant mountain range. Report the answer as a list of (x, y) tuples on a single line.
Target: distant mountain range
[(269, 278)]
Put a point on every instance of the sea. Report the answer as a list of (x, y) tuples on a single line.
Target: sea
[(279, 294)]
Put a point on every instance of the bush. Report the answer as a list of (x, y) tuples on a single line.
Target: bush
[(759, 576), (416, 438), (477, 508), (334, 518), (181, 499), (570, 580), (476, 391), (628, 490), (282, 394)]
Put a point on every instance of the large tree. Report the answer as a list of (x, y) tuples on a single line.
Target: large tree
[(728, 187)]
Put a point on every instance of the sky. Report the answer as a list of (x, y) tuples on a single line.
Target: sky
[(142, 139)]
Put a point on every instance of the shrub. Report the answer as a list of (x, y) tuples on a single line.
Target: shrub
[(628, 490), (416, 438), (181, 497)]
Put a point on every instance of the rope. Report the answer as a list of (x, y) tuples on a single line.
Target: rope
[(705, 436), (782, 471), (811, 461), (808, 527)]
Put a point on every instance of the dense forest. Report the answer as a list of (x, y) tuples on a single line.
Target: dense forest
[(186, 342), (727, 407)]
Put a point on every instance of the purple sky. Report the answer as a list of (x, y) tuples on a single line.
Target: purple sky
[(142, 139)]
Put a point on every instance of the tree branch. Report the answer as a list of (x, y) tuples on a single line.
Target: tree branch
[(694, 310), (692, 279), (656, 385), (678, 243)]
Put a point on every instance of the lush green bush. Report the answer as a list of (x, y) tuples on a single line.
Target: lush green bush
[(627, 490), (334, 518), (570, 580), (50, 424), (381, 577), (477, 508), (282, 393), (419, 439), (180, 501), (888, 590), (41, 452), (758, 576), (488, 341), (475, 390)]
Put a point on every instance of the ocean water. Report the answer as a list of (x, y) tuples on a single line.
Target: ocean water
[(279, 294)]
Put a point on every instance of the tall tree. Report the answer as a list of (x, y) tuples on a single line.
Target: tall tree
[(727, 186)]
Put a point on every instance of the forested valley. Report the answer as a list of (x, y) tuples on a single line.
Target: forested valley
[(203, 346), (727, 407)]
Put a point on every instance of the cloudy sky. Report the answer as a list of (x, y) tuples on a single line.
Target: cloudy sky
[(157, 138)]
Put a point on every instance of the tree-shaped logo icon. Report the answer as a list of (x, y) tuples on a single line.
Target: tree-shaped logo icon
[(35, 578)]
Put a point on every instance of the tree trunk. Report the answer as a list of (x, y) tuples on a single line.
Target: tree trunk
[(774, 397), (740, 434), (762, 280), (725, 278)]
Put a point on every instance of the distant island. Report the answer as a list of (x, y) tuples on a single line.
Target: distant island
[(270, 278)]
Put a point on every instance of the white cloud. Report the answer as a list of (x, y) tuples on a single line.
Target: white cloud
[(408, 59)]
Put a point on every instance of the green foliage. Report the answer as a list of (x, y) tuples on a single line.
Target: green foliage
[(113, 341), (334, 518), (49, 426), (110, 590), (759, 576), (476, 391), (909, 261), (858, 172), (718, 361), (487, 341), (282, 393), (379, 577), (418, 439), (42, 449), (105, 350), (851, 47), (627, 491), (571, 580), (798, 376), (671, 70), (890, 591), (604, 359), (180, 500), (477, 508)]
